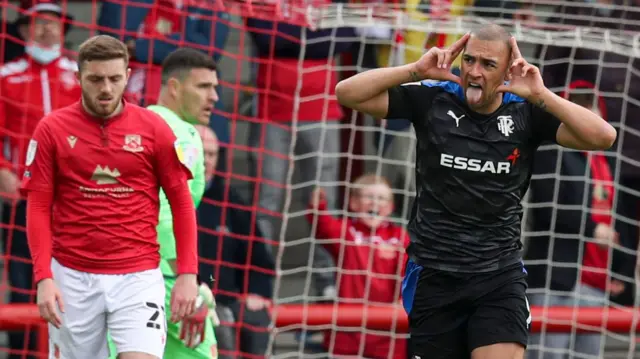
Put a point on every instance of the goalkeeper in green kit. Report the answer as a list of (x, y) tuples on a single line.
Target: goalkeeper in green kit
[(187, 98)]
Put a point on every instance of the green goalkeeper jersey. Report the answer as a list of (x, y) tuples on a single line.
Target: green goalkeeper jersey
[(190, 146)]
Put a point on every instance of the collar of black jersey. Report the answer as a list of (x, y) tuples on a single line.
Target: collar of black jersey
[(458, 92)]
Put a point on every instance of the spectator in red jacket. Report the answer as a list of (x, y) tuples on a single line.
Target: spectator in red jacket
[(31, 86), (370, 251)]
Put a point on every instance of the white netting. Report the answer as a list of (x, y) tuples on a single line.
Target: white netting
[(600, 47), (590, 51)]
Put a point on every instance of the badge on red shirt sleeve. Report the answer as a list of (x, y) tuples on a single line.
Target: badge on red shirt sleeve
[(179, 151), (31, 152)]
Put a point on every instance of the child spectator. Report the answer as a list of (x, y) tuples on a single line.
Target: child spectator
[(370, 253)]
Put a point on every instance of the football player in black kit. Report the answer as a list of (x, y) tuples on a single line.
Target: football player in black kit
[(464, 286)]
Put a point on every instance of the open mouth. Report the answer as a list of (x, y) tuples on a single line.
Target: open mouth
[(475, 85)]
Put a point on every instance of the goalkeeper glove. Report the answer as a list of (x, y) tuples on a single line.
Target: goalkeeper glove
[(193, 327), (209, 301)]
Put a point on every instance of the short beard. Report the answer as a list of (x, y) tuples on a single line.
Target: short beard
[(96, 111)]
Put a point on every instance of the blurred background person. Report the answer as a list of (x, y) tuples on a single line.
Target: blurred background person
[(43, 79), (17, 33), (575, 240), (237, 260), (371, 251)]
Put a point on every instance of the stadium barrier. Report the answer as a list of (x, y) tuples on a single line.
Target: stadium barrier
[(16, 317)]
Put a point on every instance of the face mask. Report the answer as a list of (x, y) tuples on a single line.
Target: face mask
[(42, 55)]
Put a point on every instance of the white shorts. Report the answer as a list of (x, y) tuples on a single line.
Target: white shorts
[(129, 306)]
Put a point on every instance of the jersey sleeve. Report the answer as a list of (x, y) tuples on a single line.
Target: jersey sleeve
[(39, 174), (410, 101), (170, 166), (544, 124)]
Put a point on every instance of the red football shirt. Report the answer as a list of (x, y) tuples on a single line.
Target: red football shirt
[(105, 177), (372, 264)]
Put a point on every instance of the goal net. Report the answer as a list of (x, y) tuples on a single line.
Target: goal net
[(282, 135)]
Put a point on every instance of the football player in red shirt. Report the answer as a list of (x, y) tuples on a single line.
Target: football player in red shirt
[(94, 171), (371, 253)]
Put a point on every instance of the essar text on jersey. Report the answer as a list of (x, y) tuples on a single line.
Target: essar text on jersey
[(474, 165)]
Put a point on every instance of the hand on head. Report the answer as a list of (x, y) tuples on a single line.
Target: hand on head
[(525, 79), (436, 63)]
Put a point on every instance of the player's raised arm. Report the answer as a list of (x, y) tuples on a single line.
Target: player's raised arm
[(368, 92), (173, 176), (580, 129), (38, 186)]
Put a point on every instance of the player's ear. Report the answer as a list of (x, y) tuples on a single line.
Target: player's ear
[(79, 72), (173, 84), (507, 73), (128, 73)]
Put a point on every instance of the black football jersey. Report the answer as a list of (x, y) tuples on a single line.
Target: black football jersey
[(472, 171)]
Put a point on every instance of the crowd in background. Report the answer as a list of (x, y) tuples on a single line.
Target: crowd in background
[(582, 229)]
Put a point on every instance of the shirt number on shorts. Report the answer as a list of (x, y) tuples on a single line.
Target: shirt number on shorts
[(155, 320)]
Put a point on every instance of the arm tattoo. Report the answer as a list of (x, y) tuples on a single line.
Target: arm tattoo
[(414, 76), (541, 105)]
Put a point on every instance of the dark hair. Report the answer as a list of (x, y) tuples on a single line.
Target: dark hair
[(493, 32), (181, 61), (102, 48)]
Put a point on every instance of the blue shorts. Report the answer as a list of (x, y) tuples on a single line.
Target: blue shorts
[(451, 314)]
